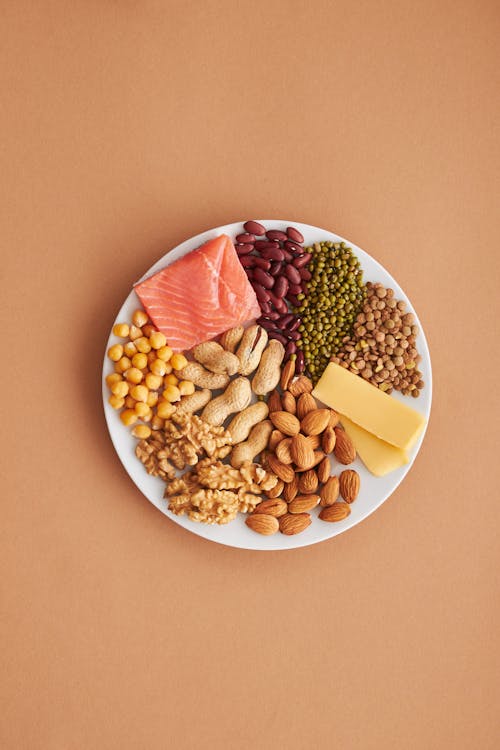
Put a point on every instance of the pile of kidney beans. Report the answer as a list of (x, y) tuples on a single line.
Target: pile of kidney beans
[(275, 263)]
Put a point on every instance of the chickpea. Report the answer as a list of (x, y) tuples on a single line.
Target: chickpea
[(120, 389), (143, 410), (171, 393), (142, 345), (186, 388), (116, 402), (115, 352), (164, 353), (129, 349), (152, 398), (113, 378), (130, 402), (128, 417), (123, 364), (134, 375), (157, 423), (157, 340), (141, 431), (134, 333), (139, 393), (171, 379), (158, 367), (140, 360), (153, 381), (164, 410), (139, 318), (148, 330), (121, 330), (179, 361)]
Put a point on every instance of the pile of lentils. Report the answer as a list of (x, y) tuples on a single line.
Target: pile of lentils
[(382, 346), (328, 308)]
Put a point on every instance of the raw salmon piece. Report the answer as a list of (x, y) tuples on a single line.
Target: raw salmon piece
[(200, 295)]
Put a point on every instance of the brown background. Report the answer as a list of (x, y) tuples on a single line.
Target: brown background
[(127, 127)]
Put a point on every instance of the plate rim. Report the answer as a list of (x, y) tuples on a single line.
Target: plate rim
[(199, 529)]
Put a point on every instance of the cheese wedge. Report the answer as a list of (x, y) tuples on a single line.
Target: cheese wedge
[(370, 408), (378, 456)]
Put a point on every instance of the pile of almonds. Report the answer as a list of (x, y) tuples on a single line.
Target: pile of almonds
[(298, 453)]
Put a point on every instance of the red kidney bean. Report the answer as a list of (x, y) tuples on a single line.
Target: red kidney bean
[(288, 256), (267, 324), (278, 336), (278, 303), (273, 315), (292, 275), (294, 234), (294, 325), (261, 245), (275, 268), (295, 289), (305, 275), (302, 260), (262, 263), (253, 227), (265, 307), (292, 335), (303, 286), (290, 349), (273, 253), (262, 294), (280, 286), (247, 261), (299, 362), (275, 234), (249, 273), (263, 278), (286, 320), (245, 238), (294, 248), (243, 249), (293, 300)]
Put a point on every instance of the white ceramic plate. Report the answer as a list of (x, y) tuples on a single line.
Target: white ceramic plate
[(374, 490)]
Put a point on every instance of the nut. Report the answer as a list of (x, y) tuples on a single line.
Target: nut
[(268, 373), (287, 374), (282, 451), (329, 492), (302, 384), (315, 421), (285, 422), (216, 358), (263, 524), (335, 512), (302, 503), (301, 452), (275, 437), (274, 402), (291, 523), (235, 398), (250, 349), (230, 339), (305, 404), (334, 419), (314, 441), (323, 470), (289, 403), (282, 471), (276, 490), (256, 443), (273, 507), (291, 489), (344, 450), (328, 439), (240, 426), (349, 485), (308, 482)]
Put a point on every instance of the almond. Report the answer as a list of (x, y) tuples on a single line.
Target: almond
[(285, 422), (287, 374), (282, 451), (294, 523), (302, 384), (308, 482), (276, 490), (301, 451), (349, 485), (344, 450), (328, 439), (263, 524), (274, 438), (315, 422), (288, 402), (305, 404), (314, 441), (273, 507), (282, 471), (323, 470), (329, 492), (291, 489), (274, 401), (335, 512), (303, 503), (334, 419)]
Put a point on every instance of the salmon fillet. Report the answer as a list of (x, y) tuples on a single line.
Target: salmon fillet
[(200, 295)]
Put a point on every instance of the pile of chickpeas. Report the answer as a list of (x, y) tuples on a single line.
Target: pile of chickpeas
[(145, 383)]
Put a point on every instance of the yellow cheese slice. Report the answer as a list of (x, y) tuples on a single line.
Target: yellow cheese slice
[(378, 456), (369, 407)]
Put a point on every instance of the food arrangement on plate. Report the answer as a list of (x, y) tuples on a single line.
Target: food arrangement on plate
[(258, 373)]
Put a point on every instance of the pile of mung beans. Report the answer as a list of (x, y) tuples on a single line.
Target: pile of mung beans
[(382, 348), (330, 304)]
